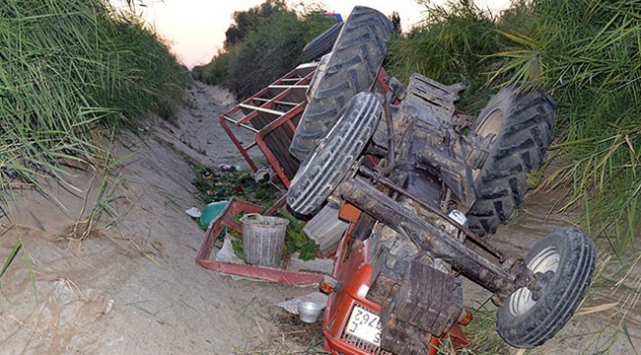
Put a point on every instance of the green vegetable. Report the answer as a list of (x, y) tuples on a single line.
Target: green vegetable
[(218, 186)]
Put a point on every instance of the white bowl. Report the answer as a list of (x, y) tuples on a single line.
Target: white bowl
[(309, 311)]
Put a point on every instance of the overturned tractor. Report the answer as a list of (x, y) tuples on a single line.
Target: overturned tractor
[(417, 180)]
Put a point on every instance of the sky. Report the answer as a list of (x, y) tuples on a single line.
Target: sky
[(195, 29)]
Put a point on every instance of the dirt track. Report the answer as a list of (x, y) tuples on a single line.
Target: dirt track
[(134, 288)]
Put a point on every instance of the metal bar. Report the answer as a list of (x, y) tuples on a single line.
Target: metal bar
[(289, 87), (225, 220), (297, 71), (261, 109), (232, 208), (279, 99), (232, 111), (475, 238), (296, 81), (239, 124), (292, 79), (386, 210), (263, 273), (276, 102), (239, 146), (270, 102), (279, 121), (262, 92), (291, 125), (250, 145), (272, 126), (282, 95), (247, 118), (280, 203), (278, 169), (286, 77)]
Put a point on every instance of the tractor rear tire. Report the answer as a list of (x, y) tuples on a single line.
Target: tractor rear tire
[(352, 68), (322, 44), (521, 120), (322, 171)]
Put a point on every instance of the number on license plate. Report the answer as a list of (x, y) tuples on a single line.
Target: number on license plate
[(364, 325)]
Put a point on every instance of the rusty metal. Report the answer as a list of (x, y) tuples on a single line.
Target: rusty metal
[(383, 288), (427, 305), (473, 236), (272, 114), (421, 304), (390, 136), (276, 206), (475, 267)]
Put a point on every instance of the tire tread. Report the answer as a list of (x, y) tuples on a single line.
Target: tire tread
[(322, 44), (542, 322), (355, 60), (323, 170), (525, 135)]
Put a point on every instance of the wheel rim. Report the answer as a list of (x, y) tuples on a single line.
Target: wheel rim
[(521, 300), (491, 124)]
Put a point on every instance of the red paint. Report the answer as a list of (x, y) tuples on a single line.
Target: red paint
[(225, 220), (288, 116)]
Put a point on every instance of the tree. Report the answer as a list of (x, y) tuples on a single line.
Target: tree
[(396, 21), (246, 21)]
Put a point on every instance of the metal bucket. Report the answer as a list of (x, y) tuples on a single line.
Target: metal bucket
[(309, 311), (263, 239)]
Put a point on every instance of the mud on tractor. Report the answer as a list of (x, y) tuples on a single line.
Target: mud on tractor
[(419, 181)]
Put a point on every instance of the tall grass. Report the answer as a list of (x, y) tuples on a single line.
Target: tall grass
[(266, 54), (587, 53), (66, 69)]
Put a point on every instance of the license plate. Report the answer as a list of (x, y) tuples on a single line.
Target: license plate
[(364, 325)]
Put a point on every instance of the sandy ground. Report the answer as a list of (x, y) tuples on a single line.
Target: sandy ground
[(129, 285), (132, 286)]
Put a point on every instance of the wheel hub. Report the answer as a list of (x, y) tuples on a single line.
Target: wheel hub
[(488, 129), (544, 265)]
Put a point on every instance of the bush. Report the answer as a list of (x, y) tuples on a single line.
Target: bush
[(266, 54), (216, 71), (450, 46), (267, 46)]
